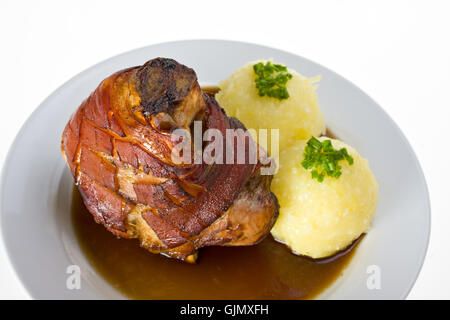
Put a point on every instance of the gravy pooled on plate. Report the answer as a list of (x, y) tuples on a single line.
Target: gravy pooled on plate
[(267, 270)]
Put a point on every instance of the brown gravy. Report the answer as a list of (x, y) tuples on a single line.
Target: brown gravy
[(264, 271)]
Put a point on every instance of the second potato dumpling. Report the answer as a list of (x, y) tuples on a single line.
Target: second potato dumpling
[(318, 219), (297, 117)]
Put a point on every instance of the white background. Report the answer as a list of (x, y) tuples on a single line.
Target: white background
[(396, 51)]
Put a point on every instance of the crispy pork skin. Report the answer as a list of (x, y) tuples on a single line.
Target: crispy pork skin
[(118, 146)]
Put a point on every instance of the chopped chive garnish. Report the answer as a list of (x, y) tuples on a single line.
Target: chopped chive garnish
[(323, 159), (271, 80)]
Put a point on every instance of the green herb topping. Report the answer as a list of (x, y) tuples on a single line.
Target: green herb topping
[(323, 159), (271, 80)]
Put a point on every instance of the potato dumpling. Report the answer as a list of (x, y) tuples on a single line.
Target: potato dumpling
[(318, 219), (297, 117)]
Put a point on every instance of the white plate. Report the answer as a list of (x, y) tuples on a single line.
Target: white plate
[(36, 185)]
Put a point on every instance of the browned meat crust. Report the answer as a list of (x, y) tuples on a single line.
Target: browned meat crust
[(118, 148)]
